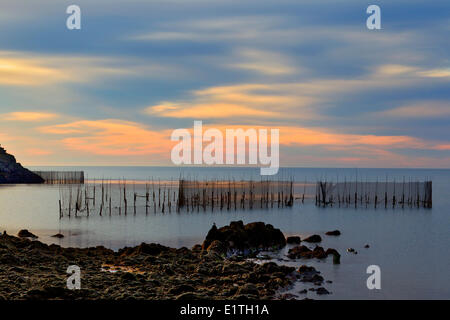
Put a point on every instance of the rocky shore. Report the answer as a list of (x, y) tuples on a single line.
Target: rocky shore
[(220, 268), (30, 269)]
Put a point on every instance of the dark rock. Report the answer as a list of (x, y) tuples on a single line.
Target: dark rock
[(333, 233), (293, 240), (255, 235), (217, 246), (366, 246), (287, 296), (319, 253), (315, 278), (336, 255), (12, 172), (58, 235), (313, 239), (322, 290), (304, 268), (26, 234), (300, 252), (304, 291)]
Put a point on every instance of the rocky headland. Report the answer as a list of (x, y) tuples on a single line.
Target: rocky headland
[(12, 172)]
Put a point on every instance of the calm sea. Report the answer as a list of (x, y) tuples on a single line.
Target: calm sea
[(410, 245)]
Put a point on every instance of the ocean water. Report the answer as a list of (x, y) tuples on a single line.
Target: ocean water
[(410, 245)]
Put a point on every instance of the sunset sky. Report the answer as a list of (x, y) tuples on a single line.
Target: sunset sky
[(113, 92)]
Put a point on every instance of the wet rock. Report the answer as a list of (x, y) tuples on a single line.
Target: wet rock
[(293, 240), (319, 253), (366, 246), (299, 252), (304, 291), (24, 233), (314, 278), (237, 236), (322, 290), (217, 246), (287, 296), (336, 255), (333, 233), (313, 239), (304, 268)]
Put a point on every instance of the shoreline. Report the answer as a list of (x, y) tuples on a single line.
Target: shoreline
[(30, 269)]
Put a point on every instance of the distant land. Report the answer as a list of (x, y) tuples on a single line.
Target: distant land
[(12, 172)]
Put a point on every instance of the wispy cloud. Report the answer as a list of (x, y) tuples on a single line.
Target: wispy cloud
[(24, 69), (264, 62), (28, 116), (423, 110)]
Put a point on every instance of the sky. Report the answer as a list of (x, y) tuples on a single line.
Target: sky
[(113, 92)]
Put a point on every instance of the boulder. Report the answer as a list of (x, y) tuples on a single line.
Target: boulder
[(237, 236), (336, 255), (293, 240), (26, 234), (300, 252), (313, 239), (333, 233), (318, 252), (322, 290), (58, 235)]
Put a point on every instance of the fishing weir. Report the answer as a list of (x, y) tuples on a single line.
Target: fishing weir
[(61, 177), (122, 197), (375, 194), (117, 197)]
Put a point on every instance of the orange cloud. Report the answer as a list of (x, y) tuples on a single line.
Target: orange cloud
[(208, 111), (29, 116), (111, 137)]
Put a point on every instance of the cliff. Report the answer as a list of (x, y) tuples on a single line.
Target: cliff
[(13, 172)]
